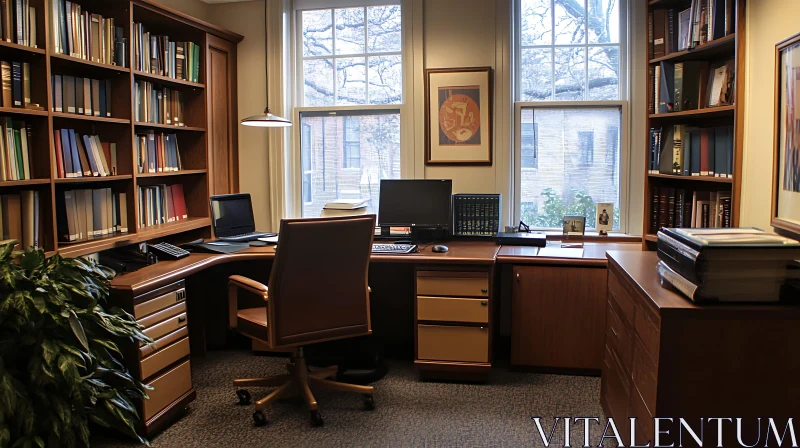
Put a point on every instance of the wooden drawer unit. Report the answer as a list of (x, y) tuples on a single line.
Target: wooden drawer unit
[(167, 388), (452, 309), (453, 343), (452, 284), (163, 315), (167, 326), (620, 297), (615, 388), (618, 339), (163, 358), (159, 303), (648, 328), (645, 376), (162, 342)]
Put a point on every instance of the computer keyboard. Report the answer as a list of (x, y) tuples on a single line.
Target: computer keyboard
[(393, 248), (244, 237)]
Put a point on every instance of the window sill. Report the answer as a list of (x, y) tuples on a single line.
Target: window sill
[(592, 236)]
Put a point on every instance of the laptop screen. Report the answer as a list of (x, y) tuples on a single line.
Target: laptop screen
[(232, 214)]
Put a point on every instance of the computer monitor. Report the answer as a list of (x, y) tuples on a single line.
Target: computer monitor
[(232, 214), (416, 203)]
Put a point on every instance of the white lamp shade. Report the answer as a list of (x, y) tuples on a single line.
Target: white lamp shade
[(266, 120)]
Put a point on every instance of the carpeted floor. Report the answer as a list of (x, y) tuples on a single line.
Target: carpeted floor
[(409, 412)]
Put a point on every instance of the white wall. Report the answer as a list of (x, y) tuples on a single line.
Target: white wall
[(194, 8), (768, 22)]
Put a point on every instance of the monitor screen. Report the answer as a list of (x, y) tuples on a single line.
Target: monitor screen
[(232, 214), (422, 203)]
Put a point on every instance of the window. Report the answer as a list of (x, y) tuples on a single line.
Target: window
[(350, 65), (306, 162), (570, 109), (352, 142)]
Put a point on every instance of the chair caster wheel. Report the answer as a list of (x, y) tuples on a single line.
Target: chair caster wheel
[(369, 402), (244, 397), (316, 419), (259, 419)]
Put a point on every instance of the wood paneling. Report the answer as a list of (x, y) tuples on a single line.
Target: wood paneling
[(223, 149), (558, 317)]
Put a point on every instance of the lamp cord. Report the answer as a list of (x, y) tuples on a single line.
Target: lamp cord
[(266, 62)]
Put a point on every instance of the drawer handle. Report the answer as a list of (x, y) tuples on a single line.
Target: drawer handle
[(484, 303), (483, 328), (182, 319), (484, 290)]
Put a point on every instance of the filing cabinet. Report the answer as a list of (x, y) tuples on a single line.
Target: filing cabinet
[(164, 363), (452, 323)]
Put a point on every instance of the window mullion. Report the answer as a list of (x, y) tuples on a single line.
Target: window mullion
[(553, 50), (586, 50), (366, 58), (333, 57)]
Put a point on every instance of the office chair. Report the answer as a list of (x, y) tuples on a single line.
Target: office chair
[(317, 292)]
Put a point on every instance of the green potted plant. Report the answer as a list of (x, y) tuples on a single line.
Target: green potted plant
[(60, 362)]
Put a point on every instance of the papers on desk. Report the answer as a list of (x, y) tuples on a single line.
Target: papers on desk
[(560, 252), (270, 239)]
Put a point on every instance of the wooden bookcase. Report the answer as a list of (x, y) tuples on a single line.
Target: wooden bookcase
[(208, 143), (730, 46)]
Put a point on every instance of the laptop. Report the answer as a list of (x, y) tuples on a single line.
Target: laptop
[(232, 218)]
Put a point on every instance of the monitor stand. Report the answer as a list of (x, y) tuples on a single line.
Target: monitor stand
[(427, 234)]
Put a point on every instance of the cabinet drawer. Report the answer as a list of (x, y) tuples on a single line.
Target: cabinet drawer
[(644, 420), (645, 376), (450, 309), (168, 326), (163, 315), (615, 388), (454, 284), (618, 338), (163, 358), (620, 297), (167, 388), (452, 343), (648, 327), (158, 344), (159, 303)]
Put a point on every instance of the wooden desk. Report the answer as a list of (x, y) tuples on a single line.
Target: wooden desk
[(666, 356)]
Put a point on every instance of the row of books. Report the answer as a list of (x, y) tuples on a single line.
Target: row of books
[(83, 155), (690, 85), (157, 153), (83, 96), (476, 214), (705, 20), (81, 34), (15, 157), (16, 85), (678, 207), (156, 104), (91, 213), (161, 56), (18, 22), (161, 204), (691, 151), (20, 219), (729, 265)]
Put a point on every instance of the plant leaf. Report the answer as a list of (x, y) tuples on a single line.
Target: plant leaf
[(77, 329)]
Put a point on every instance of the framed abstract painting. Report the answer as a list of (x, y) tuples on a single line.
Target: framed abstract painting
[(786, 173), (458, 116)]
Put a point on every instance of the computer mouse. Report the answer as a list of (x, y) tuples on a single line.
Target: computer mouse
[(258, 243), (439, 248)]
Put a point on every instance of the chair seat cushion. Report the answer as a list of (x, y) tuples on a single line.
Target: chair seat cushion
[(253, 322)]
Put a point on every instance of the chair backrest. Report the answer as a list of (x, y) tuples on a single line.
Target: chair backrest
[(318, 284)]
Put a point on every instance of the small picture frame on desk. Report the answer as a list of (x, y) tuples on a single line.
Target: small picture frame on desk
[(574, 226), (604, 217), (786, 160)]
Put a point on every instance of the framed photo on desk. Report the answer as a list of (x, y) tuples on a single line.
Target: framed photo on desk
[(458, 116), (786, 168)]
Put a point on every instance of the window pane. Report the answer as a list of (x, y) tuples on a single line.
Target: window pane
[(385, 80), (317, 33), (570, 26), (375, 156), (536, 27), (604, 73), (570, 73), (318, 79), (578, 164), (351, 81), (536, 75), (603, 21), (350, 37), (384, 29)]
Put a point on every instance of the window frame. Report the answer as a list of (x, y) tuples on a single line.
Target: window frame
[(310, 171), (348, 145)]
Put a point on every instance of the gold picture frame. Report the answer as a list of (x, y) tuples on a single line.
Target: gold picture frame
[(786, 160)]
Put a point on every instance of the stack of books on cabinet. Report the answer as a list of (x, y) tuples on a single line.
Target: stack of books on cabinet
[(87, 88), (694, 114)]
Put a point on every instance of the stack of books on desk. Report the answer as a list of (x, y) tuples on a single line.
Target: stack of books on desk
[(729, 265), (345, 207)]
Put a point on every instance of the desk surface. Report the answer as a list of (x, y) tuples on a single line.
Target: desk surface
[(460, 253), (593, 254)]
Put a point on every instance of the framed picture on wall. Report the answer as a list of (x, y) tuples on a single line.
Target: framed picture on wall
[(786, 172), (458, 116)]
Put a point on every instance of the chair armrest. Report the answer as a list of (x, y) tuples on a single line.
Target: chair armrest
[(236, 282)]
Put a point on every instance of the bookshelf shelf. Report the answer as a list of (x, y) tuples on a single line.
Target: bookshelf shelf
[(91, 179), (173, 173), (22, 111), (23, 183), (141, 124), (708, 112), (651, 238), (59, 58), (721, 180), (68, 116), (96, 244), (157, 231), (22, 48), (708, 50), (166, 80)]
